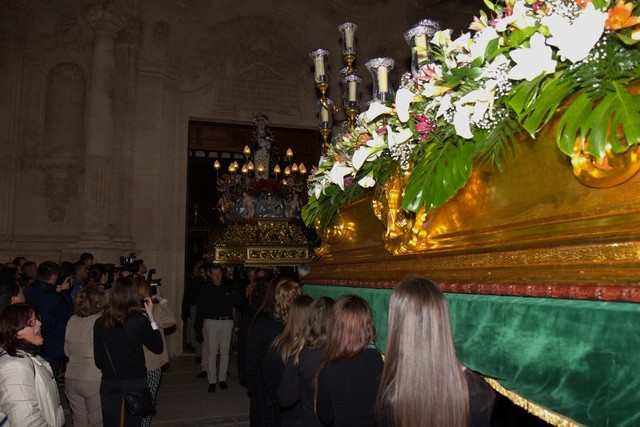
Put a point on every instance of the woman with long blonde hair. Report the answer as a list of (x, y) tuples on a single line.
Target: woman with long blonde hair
[(278, 354), (423, 382), (302, 366), (268, 323)]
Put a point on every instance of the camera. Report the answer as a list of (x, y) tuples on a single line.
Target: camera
[(153, 283)]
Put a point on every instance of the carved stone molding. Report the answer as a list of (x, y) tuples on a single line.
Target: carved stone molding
[(60, 167), (161, 32), (131, 34), (105, 16)]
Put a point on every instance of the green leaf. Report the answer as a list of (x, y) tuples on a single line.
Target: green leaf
[(545, 105), (571, 121), (523, 94), (627, 116), (444, 168)]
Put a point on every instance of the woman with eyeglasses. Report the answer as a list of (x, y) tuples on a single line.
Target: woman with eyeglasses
[(28, 390)]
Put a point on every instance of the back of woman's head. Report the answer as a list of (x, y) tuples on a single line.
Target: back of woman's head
[(298, 311), (123, 300), (423, 382), (90, 300), (315, 331), (351, 329), (144, 289), (13, 319), (285, 291)]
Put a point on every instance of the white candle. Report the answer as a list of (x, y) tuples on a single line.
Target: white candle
[(319, 62), (383, 80), (421, 43), (324, 114), (353, 86), (348, 37)]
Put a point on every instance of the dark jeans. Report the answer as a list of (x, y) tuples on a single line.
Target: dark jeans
[(111, 393)]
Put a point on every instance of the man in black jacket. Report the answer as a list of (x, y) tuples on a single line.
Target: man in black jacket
[(214, 319), (52, 302)]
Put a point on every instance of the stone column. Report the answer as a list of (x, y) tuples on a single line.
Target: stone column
[(106, 21)]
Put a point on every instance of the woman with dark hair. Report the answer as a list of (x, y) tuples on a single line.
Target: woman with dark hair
[(28, 390), (82, 378), (423, 382), (118, 339), (279, 353), (165, 319), (267, 324), (304, 362), (348, 378)]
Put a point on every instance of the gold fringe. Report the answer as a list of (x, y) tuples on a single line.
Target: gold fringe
[(533, 408)]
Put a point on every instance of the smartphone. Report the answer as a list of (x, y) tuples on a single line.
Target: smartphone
[(154, 289)]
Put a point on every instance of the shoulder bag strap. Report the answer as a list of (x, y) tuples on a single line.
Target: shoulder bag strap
[(109, 357)]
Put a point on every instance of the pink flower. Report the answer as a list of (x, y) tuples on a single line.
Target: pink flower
[(424, 126), (382, 131), (348, 181)]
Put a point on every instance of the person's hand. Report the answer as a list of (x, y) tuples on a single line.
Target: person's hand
[(65, 285), (148, 308)]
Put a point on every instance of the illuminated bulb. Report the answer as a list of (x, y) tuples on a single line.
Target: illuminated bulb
[(289, 154), (250, 166), (216, 165), (303, 170), (294, 168), (245, 169), (287, 171), (246, 151), (260, 169), (277, 170), (284, 182)]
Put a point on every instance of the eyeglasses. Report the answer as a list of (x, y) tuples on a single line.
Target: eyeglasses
[(32, 322)]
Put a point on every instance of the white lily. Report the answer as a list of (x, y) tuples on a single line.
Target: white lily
[(575, 40), (395, 138), (480, 42), (375, 110), (482, 99), (445, 105), (462, 121), (371, 150), (403, 99), (320, 186), (518, 18), (367, 181), (532, 61), (442, 38), (338, 172)]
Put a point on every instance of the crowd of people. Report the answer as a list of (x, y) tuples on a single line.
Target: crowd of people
[(304, 361), (312, 362), (96, 328)]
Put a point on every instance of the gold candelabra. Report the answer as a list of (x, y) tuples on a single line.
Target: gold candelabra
[(417, 37)]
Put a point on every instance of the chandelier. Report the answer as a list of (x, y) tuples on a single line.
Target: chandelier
[(416, 37)]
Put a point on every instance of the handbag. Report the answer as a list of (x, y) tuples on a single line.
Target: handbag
[(136, 402)]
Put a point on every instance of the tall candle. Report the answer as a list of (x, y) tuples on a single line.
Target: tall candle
[(383, 79), (319, 62), (324, 114), (421, 42), (348, 37), (353, 86)]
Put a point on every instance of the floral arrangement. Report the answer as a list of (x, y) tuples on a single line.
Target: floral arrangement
[(267, 186), (477, 92)]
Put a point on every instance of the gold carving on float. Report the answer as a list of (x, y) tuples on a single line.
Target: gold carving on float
[(264, 242), (333, 234), (612, 170)]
